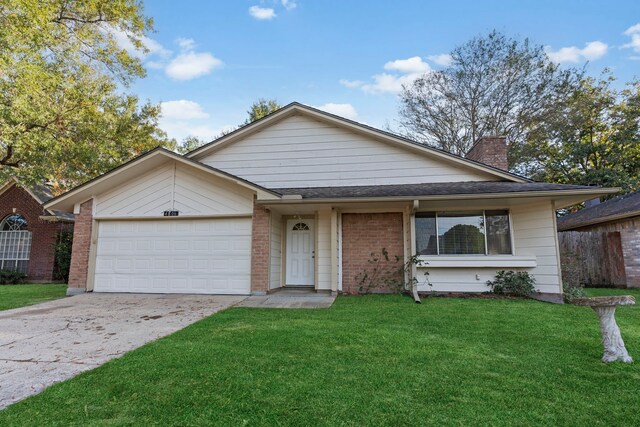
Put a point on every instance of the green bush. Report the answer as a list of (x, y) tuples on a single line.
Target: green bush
[(571, 292), (11, 277), (62, 250), (519, 283)]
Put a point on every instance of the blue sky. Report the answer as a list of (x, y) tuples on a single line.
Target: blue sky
[(210, 60)]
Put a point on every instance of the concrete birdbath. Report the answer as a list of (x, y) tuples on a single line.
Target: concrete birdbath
[(605, 308)]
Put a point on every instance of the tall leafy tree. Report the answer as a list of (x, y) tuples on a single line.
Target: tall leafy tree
[(495, 85), (189, 144), (63, 116), (261, 108), (594, 139)]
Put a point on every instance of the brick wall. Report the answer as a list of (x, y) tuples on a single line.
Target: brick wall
[(44, 233), (491, 151), (81, 246), (260, 250), (629, 229), (363, 234)]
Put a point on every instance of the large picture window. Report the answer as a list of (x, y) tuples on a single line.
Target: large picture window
[(463, 233)]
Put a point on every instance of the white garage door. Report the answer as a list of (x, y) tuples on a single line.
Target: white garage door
[(210, 256)]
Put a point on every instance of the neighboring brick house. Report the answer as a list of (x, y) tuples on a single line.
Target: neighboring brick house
[(303, 198), (621, 214), (28, 232)]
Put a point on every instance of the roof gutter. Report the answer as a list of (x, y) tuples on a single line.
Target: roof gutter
[(297, 199), (54, 218)]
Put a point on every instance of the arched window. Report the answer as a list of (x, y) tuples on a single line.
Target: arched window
[(15, 243), (14, 222), (300, 226)]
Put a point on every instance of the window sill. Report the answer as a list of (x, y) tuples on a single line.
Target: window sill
[(470, 261)]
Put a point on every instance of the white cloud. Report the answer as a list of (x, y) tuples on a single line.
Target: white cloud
[(124, 42), (262, 13), (592, 50), (186, 44), (187, 65), (443, 59), (634, 29), (595, 50), (190, 64), (407, 71), (182, 129), (182, 110), (411, 65), (351, 83), (182, 118), (634, 33), (343, 110), (289, 4)]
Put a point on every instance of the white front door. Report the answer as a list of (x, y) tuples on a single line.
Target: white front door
[(300, 252)]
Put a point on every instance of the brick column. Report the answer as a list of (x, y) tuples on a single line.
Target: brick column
[(260, 250), (366, 233), (80, 250)]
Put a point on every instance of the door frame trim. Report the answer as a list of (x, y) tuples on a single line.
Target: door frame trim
[(283, 268)]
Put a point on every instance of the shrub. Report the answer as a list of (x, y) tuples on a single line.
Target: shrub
[(11, 277), (519, 283), (62, 251), (387, 274), (571, 292)]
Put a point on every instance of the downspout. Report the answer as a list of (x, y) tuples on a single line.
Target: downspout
[(412, 239)]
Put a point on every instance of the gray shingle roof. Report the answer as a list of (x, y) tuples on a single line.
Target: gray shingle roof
[(428, 189), (626, 205), (42, 192)]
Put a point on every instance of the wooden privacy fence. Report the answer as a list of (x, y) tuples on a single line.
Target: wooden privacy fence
[(592, 258)]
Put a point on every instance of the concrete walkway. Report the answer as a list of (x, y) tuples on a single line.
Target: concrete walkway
[(56, 340), (290, 298)]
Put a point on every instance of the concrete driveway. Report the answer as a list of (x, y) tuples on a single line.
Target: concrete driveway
[(56, 340)]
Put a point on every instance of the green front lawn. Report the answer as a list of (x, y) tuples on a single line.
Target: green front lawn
[(14, 296), (375, 360)]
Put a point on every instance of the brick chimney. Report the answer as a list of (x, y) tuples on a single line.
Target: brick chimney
[(490, 150)]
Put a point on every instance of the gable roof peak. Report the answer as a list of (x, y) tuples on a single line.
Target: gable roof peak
[(386, 136)]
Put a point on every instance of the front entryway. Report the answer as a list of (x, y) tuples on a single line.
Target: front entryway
[(300, 252)]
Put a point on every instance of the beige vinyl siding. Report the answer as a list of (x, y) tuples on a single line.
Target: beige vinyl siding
[(275, 271), (533, 236), (323, 246), (301, 152), (175, 186)]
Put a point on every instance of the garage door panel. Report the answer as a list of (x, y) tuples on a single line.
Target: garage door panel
[(179, 256), (161, 265)]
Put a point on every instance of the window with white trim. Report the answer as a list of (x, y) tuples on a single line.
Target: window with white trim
[(484, 232), (15, 243)]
